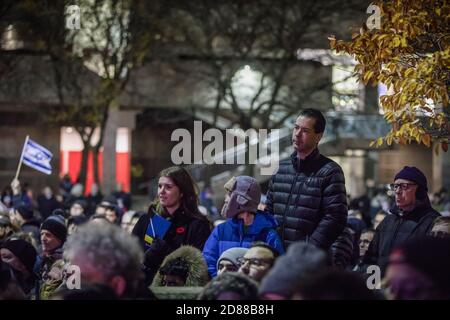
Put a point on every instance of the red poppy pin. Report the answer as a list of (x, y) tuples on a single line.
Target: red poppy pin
[(180, 230)]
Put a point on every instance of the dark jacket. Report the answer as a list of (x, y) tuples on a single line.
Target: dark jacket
[(45, 285), (395, 229), (46, 206), (308, 199), (231, 234), (184, 230)]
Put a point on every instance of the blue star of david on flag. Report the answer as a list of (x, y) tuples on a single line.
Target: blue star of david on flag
[(37, 157)]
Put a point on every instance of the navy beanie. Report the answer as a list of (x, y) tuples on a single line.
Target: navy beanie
[(57, 226), (23, 250), (415, 175)]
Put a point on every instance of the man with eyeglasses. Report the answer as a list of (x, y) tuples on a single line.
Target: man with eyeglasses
[(257, 261), (228, 261), (411, 216)]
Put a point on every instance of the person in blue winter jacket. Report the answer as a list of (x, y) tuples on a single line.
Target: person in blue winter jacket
[(245, 224)]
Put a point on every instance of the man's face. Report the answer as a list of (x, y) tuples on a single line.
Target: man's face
[(110, 215), (364, 241), (405, 193), (47, 192), (304, 138), (100, 210), (257, 262), (49, 241), (226, 266), (76, 210)]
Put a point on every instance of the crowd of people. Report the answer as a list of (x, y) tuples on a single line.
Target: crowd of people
[(306, 241)]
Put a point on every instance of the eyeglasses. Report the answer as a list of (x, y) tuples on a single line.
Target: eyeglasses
[(254, 262), (401, 186)]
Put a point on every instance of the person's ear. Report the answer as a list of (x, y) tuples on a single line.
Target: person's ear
[(118, 284), (319, 136)]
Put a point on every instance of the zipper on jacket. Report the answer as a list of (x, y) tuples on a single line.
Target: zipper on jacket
[(241, 232), (395, 232), (283, 226)]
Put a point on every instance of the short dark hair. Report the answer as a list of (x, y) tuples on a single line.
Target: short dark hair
[(262, 244), (319, 125), (368, 230)]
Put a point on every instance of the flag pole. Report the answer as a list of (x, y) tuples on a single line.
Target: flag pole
[(21, 158)]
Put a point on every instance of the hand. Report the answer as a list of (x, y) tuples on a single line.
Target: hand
[(156, 253), (15, 186)]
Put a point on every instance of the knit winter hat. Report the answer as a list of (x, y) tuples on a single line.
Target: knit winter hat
[(415, 175), (301, 261), (232, 255), (23, 250), (25, 211), (57, 226), (245, 196)]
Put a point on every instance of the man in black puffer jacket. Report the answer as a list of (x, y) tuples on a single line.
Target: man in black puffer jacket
[(411, 216), (307, 194)]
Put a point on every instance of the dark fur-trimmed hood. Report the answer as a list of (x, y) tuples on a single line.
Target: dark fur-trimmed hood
[(198, 270)]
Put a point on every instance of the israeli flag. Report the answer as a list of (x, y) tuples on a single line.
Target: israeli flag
[(37, 157)]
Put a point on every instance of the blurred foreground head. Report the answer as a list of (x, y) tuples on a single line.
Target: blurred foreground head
[(301, 261), (107, 255), (230, 286), (419, 270)]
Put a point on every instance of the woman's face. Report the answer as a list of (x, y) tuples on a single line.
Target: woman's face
[(169, 194)]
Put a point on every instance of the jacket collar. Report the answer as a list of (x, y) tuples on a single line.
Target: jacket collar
[(420, 210), (305, 164)]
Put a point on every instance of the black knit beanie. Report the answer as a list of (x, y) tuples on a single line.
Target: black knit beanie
[(415, 175), (57, 226), (23, 250)]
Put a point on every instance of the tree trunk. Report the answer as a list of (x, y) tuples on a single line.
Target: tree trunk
[(85, 134), (96, 153), (99, 145), (82, 175)]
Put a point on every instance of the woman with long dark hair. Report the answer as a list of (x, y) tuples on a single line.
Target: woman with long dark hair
[(173, 219)]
